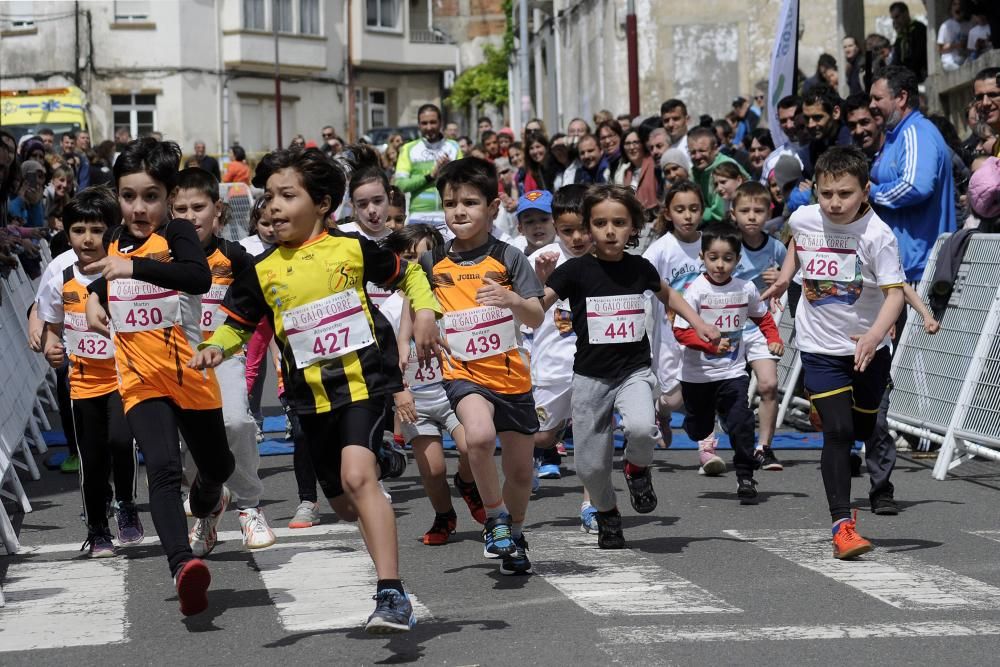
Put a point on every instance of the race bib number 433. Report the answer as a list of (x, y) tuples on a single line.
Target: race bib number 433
[(828, 256), (616, 319), (327, 328), (481, 332), (140, 306), (418, 376)]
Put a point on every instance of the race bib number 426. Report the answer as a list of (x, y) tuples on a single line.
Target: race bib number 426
[(481, 332), (616, 319), (327, 328), (139, 306), (828, 256)]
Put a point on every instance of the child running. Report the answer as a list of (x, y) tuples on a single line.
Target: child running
[(338, 352), (760, 260), (713, 375), (154, 269), (104, 440), (851, 296), (196, 200), (611, 370), (486, 288), (434, 413)]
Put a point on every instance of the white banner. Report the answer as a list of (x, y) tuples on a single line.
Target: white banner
[(782, 65)]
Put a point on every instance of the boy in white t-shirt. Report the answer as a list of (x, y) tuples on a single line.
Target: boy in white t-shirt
[(713, 375), (952, 37), (852, 293)]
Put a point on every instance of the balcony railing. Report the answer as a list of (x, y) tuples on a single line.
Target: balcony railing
[(429, 37)]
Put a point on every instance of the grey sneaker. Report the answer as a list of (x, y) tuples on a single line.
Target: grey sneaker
[(204, 534), (393, 613)]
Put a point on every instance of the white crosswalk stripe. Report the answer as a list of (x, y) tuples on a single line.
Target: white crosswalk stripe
[(893, 578), (988, 534)]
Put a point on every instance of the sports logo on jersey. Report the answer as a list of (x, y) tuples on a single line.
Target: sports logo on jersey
[(442, 280)]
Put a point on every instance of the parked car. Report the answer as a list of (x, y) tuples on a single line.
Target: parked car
[(379, 136)]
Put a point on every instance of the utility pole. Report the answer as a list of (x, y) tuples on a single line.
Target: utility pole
[(632, 39), (277, 72)]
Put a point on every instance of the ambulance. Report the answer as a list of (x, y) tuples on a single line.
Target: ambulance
[(27, 111)]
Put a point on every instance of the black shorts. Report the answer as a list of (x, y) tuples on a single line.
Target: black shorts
[(511, 412), (826, 375), (327, 433)]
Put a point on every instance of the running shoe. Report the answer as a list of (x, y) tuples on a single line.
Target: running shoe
[(640, 491), (770, 461), (470, 494), (393, 613), (517, 561), (746, 491), (884, 504), (256, 533), (548, 465), (306, 515), (204, 534), (711, 464), (391, 461), (70, 465), (442, 528), (609, 530), (288, 428), (846, 541), (535, 482), (260, 435), (98, 543), (129, 526), (385, 492), (497, 541), (588, 518), (192, 582), (561, 449), (186, 493)]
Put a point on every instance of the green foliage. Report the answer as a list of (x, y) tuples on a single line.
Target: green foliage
[(486, 83)]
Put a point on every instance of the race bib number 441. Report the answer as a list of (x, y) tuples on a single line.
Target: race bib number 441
[(327, 328), (828, 256), (481, 332), (140, 306), (616, 319)]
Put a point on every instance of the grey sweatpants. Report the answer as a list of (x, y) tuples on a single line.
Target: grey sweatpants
[(594, 403)]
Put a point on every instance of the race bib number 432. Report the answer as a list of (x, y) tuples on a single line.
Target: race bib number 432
[(828, 256), (481, 332), (327, 328), (616, 319), (140, 306), (85, 343)]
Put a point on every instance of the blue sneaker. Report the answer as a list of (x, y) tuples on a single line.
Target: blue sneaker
[(549, 471), (497, 538), (393, 613), (517, 562), (535, 484), (588, 519)]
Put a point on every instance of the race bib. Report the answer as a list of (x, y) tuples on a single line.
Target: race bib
[(616, 319), (478, 333), (418, 376), (211, 316), (327, 328), (377, 294), (727, 315), (139, 306), (85, 343), (831, 257)]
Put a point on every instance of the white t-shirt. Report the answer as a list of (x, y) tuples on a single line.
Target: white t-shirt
[(950, 32), (50, 287), (843, 269), (255, 245), (728, 307), (553, 341), (976, 33), (426, 394), (377, 294), (678, 264), (682, 145)]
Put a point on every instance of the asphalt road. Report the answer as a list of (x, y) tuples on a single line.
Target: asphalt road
[(704, 581)]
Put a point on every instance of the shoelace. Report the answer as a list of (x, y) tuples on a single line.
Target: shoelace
[(256, 524), (390, 598), (92, 540), (500, 533)]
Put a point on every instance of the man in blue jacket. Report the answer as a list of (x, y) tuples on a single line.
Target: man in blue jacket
[(912, 190)]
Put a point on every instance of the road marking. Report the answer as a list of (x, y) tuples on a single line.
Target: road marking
[(893, 578), (322, 584), (617, 582), (988, 534), (63, 603), (655, 634)]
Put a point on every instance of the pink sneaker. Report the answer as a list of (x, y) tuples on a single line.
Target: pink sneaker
[(711, 464)]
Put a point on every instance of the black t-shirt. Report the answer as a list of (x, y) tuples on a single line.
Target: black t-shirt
[(588, 276)]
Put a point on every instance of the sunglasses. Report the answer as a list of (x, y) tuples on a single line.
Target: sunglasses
[(327, 135)]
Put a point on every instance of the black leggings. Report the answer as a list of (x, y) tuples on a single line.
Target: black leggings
[(305, 475), (728, 398), (842, 425), (155, 424), (65, 407), (105, 448)]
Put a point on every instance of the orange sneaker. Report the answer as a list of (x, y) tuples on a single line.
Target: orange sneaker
[(846, 541), (444, 526)]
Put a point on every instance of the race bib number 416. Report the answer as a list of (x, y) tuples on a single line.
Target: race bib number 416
[(481, 332), (140, 306), (327, 328), (616, 319), (828, 256)]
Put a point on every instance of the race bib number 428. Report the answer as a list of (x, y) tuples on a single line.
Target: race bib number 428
[(481, 332), (828, 256), (616, 319), (85, 343), (327, 328)]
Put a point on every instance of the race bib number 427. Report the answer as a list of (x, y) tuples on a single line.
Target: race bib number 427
[(616, 319), (327, 328), (828, 256), (481, 332)]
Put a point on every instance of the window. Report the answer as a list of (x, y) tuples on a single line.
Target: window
[(127, 11), (383, 14), (309, 17), (136, 112), (253, 15), (285, 23), (20, 16), (378, 109)]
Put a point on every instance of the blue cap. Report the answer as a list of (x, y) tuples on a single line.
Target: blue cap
[(540, 200)]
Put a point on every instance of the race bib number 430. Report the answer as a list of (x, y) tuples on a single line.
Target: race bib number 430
[(828, 256), (616, 319), (327, 328), (481, 332), (140, 306)]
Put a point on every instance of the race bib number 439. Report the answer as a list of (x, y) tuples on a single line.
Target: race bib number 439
[(481, 332), (828, 256), (140, 306), (327, 328), (616, 319)]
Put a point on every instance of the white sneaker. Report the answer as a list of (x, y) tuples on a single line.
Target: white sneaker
[(306, 515), (204, 533), (256, 533), (186, 494), (384, 492)]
